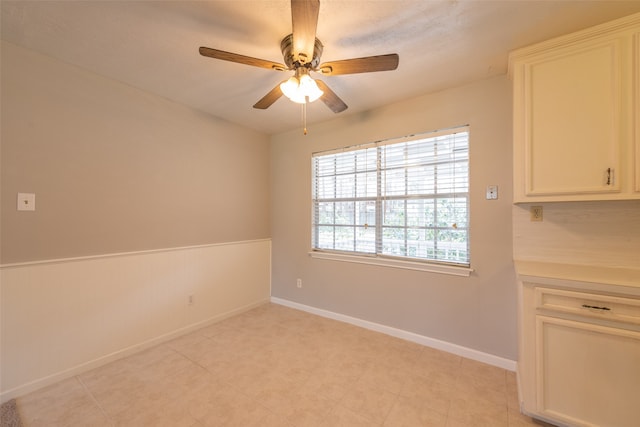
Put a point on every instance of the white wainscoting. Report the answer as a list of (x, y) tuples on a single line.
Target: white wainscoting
[(63, 317)]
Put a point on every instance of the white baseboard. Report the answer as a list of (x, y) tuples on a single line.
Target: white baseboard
[(466, 352)]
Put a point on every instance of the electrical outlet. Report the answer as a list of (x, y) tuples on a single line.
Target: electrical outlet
[(492, 192), (299, 283), (536, 213), (26, 202)]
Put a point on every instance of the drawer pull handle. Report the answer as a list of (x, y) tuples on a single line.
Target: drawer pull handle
[(595, 307)]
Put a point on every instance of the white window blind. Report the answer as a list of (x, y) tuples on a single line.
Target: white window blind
[(405, 198)]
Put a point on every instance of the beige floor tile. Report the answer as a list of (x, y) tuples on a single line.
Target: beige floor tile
[(200, 398), (294, 373), (118, 395), (61, 393), (84, 416), (346, 364), (344, 417), (197, 348), (309, 409), (156, 358), (231, 408), (491, 374), (414, 412), (64, 403), (483, 387), (273, 420), (516, 419), (369, 402), (513, 401), (186, 381), (280, 334), (275, 392), (275, 366), (216, 356), (331, 385), (435, 357), (240, 339), (473, 410), (153, 411), (214, 329), (438, 365), (72, 407), (438, 375), (434, 395), (386, 377), (399, 356)]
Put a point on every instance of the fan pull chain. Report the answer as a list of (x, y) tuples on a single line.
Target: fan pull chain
[(304, 117)]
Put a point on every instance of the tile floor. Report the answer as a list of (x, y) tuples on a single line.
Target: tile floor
[(276, 366)]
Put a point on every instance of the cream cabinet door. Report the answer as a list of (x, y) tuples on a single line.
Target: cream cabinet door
[(571, 118), (587, 374)]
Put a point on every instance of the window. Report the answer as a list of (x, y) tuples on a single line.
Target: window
[(406, 198)]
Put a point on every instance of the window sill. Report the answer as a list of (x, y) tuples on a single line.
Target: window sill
[(394, 263)]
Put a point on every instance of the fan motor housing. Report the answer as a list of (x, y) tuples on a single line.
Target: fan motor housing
[(295, 61)]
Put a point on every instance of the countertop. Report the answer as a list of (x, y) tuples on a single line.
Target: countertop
[(621, 276)]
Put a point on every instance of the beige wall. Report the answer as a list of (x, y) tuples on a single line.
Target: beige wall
[(477, 312), (115, 169)]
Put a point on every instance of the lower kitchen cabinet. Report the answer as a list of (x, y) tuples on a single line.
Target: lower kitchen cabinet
[(579, 362)]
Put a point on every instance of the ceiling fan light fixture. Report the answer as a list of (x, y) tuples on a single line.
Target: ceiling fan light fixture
[(310, 88), (290, 87), (301, 51), (301, 89)]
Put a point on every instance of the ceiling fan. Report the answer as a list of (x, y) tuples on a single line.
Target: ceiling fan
[(301, 51)]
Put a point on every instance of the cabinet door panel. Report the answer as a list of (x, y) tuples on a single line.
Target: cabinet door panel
[(572, 121), (587, 375)]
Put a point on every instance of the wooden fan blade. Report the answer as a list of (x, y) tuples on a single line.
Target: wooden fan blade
[(269, 98), (360, 65), (241, 59), (304, 20), (330, 98)]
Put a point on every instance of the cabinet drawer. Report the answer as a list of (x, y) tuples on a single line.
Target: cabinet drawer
[(618, 309)]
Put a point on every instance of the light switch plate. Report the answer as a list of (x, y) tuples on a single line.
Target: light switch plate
[(26, 202), (492, 192)]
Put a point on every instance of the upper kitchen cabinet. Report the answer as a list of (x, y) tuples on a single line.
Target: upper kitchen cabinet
[(576, 106)]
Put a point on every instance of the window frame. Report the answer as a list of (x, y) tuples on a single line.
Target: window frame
[(377, 256)]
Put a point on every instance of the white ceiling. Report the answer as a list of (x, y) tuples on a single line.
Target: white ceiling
[(153, 45)]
